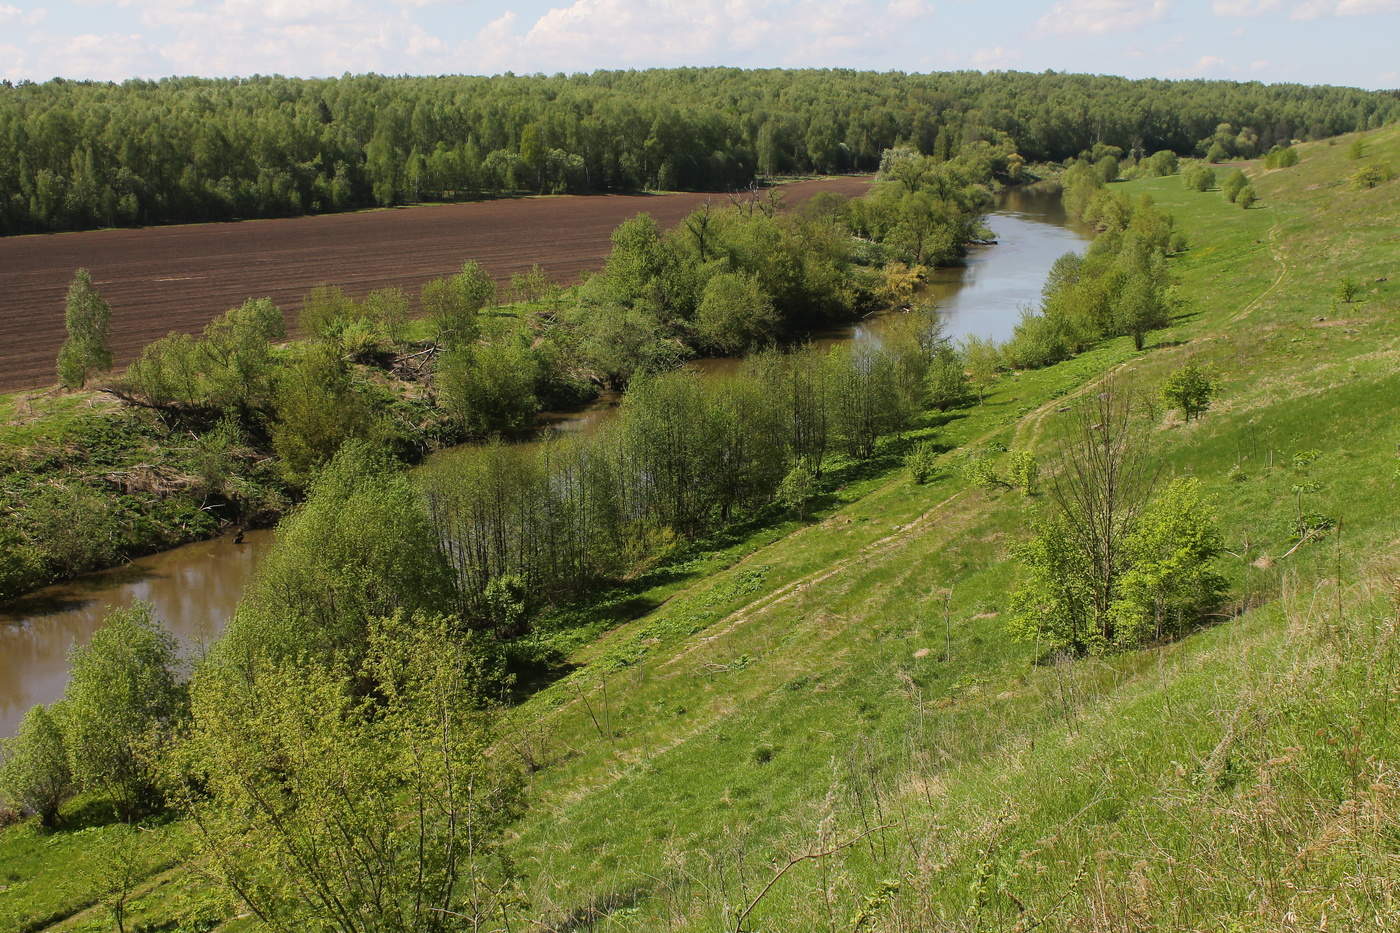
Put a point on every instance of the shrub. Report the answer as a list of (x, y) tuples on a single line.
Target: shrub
[(122, 700), (1163, 162), (489, 389), (798, 490), (1190, 390), (1234, 183), (1372, 175), (947, 379), (1348, 290), (922, 462), (1200, 178), (1246, 198), (1024, 471), (34, 772)]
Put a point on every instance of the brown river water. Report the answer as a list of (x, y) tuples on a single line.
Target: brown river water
[(195, 588)]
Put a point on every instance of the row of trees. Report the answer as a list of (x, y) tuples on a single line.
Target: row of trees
[(75, 155), (1121, 286)]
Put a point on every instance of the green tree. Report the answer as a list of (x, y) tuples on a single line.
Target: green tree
[(1246, 198), (489, 389), (364, 797), (1073, 564), (1169, 584), (948, 385), (1140, 308), (735, 313), (318, 407), (86, 317), (798, 489), (34, 772), (983, 359), (361, 546), (1234, 183), (122, 702), (1023, 470), (1190, 390), (1200, 178), (454, 304)]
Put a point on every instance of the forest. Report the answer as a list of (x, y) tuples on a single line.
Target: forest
[(77, 155)]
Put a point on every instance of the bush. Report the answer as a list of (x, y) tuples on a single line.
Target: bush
[(1372, 176), (489, 389), (1200, 178), (922, 462), (947, 379), (1163, 162), (122, 701), (735, 313), (798, 490), (1024, 471), (34, 772), (1190, 390), (21, 566), (1246, 198), (1234, 183)]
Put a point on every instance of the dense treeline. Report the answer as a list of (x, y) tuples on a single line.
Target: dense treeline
[(81, 154)]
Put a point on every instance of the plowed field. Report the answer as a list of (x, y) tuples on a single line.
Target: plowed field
[(160, 279)]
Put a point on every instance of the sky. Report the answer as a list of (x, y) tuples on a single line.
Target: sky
[(1346, 42)]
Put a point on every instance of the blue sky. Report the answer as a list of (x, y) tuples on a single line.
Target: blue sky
[(1351, 42)]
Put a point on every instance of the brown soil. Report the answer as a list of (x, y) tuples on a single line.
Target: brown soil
[(160, 279)]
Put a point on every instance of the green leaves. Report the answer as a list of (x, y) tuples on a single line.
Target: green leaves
[(86, 317)]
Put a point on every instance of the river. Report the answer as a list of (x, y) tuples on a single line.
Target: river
[(195, 588)]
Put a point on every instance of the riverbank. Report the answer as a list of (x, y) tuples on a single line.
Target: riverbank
[(194, 589)]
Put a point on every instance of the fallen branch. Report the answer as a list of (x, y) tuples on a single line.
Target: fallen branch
[(806, 856)]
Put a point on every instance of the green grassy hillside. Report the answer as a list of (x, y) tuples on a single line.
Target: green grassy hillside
[(856, 673), (847, 686)]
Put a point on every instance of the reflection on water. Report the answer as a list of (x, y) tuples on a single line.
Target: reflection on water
[(195, 588)]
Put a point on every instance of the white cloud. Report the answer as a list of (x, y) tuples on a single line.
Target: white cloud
[(995, 58), (1315, 9), (10, 13), (1100, 16), (1259, 64), (586, 34), (1244, 7)]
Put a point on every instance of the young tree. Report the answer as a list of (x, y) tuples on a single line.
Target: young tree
[(1246, 198), (1234, 183), (1190, 390), (735, 313), (86, 317), (1140, 308), (983, 360), (364, 797), (489, 389), (947, 379), (1111, 564), (361, 546), (122, 701), (34, 772), (1170, 583), (454, 304), (1074, 563)]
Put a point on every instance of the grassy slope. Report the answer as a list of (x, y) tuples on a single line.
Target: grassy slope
[(784, 704), (802, 694)]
